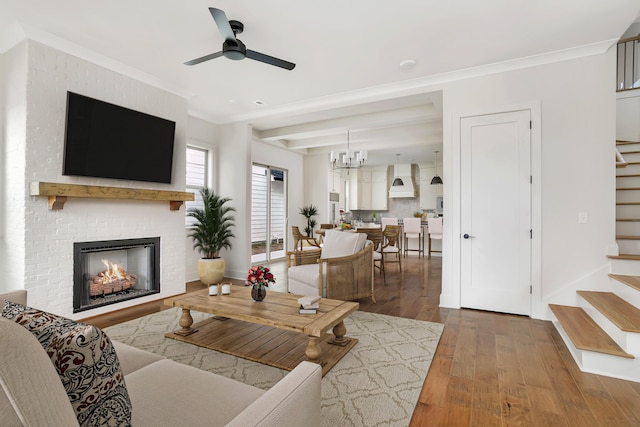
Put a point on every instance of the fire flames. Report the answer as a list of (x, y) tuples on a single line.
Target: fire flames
[(112, 273), (112, 280)]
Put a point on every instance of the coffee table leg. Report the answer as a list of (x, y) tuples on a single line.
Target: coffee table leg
[(313, 351), (185, 323), (340, 331)]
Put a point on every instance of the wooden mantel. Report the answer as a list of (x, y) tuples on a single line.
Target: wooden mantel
[(58, 193)]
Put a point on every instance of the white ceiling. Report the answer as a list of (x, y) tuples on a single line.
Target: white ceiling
[(342, 50)]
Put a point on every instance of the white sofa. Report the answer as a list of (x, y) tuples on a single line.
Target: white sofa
[(342, 270), (162, 392)]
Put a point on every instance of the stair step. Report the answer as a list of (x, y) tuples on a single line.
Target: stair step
[(630, 152), (628, 219), (628, 176), (622, 142), (633, 281), (625, 256), (627, 203), (621, 164), (584, 332), (632, 163), (624, 315), (627, 237), (627, 188)]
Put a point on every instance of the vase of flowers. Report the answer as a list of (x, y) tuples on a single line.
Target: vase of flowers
[(259, 278)]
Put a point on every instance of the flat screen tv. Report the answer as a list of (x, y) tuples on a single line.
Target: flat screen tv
[(103, 140)]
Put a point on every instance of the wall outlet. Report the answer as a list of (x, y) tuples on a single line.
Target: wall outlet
[(583, 218)]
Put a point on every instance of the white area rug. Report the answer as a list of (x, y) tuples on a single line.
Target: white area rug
[(376, 384)]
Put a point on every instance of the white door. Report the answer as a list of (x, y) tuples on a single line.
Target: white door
[(495, 219)]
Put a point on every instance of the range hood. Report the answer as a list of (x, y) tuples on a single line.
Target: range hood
[(402, 184)]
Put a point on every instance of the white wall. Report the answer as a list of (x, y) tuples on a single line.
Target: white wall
[(38, 143), (202, 134), (316, 189), (573, 170), (234, 181), (12, 236), (628, 115)]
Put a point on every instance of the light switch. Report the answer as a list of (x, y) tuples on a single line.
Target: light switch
[(583, 218)]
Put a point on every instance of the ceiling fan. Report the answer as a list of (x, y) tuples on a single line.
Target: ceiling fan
[(233, 48)]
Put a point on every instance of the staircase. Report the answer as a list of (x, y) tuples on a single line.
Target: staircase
[(603, 331)]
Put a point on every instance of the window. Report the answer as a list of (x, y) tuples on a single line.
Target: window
[(196, 177)]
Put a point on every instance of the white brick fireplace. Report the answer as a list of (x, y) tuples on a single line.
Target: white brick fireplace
[(38, 242)]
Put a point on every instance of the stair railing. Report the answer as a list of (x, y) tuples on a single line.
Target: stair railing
[(628, 71)]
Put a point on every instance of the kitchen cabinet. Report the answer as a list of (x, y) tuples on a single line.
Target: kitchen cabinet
[(368, 189), (379, 189), (353, 193)]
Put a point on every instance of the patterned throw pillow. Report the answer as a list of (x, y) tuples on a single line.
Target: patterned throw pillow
[(85, 361)]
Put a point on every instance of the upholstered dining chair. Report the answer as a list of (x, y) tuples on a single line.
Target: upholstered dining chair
[(299, 239), (413, 230), (434, 228), (374, 234), (384, 221), (324, 227), (391, 247)]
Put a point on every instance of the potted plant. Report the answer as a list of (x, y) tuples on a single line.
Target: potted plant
[(211, 233), (309, 212)]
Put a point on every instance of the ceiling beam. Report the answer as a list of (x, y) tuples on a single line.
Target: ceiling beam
[(415, 114)]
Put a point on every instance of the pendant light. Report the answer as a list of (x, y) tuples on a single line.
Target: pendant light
[(436, 179), (397, 181)]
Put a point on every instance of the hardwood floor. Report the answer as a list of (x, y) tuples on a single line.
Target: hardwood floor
[(489, 369)]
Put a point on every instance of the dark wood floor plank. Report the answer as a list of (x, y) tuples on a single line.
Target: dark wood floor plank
[(458, 395), (625, 397), (486, 409)]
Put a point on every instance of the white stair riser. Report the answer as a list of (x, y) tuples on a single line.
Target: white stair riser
[(626, 292), (628, 341), (628, 195), (628, 211), (628, 228), (625, 267), (627, 183), (629, 246), (602, 364)]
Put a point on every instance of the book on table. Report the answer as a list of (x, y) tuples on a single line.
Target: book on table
[(309, 304)]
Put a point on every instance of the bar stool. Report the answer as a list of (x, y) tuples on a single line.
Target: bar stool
[(435, 231), (413, 230)]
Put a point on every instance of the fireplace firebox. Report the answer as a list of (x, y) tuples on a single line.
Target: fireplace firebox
[(111, 271)]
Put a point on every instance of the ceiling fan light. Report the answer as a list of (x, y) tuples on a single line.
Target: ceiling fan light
[(397, 182), (436, 180)]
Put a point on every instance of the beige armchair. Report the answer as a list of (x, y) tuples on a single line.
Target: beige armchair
[(343, 269)]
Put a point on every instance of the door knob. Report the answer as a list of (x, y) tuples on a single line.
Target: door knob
[(466, 236)]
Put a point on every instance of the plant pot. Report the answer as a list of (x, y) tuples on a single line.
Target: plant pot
[(211, 271)]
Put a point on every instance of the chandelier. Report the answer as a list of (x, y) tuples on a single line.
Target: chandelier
[(349, 160)]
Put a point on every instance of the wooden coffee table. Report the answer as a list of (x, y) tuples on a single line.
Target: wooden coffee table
[(270, 332)]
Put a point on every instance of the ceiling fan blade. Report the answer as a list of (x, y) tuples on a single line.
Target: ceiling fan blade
[(204, 58), (223, 23), (252, 54)]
